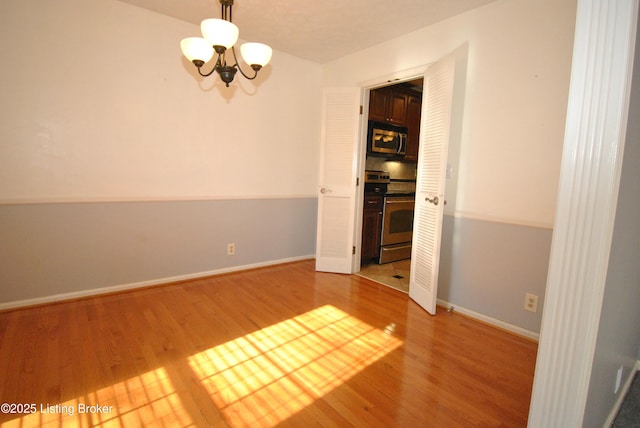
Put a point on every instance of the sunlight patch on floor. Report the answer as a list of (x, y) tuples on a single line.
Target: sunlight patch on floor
[(149, 399), (265, 377)]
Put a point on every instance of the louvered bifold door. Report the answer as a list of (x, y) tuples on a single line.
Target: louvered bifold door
[(430, 198), (337, 179)]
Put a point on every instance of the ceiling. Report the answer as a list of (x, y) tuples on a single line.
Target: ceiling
[(318, 30)]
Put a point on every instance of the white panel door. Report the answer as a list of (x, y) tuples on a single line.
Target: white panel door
[(432, 161), (337, 180)]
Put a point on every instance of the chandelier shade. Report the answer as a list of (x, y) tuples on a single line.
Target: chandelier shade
[(219, 32), (220, 35), (256, 54), (196, 49)]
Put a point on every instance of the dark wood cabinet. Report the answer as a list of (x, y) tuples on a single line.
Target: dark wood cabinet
[(397, 113), (402, 107), (371, 227), (414, 108), (388, 105), (378, 105)]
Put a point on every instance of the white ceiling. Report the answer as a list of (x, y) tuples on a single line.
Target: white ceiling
[(318, 30)]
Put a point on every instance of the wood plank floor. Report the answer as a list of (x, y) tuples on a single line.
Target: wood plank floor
[(278, 346)]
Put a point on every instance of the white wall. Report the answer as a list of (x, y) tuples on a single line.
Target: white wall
[(99, 104), (519, 56)]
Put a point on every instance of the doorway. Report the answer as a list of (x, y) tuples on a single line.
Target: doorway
[(433, 137), (388, 205), (342, 163)]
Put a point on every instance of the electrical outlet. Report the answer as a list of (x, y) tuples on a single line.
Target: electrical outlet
[(231, 249), (531, 302)]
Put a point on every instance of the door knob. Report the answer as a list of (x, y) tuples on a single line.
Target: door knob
[(324, 190), (434, 201)]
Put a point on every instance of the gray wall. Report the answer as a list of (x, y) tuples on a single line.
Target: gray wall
[(488, 267), (51, 249), (618, 343)]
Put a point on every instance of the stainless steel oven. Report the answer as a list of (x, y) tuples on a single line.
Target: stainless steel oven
[(397, 228)]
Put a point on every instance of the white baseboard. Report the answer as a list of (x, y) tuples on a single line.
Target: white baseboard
[(142, 284), (621, 396), (492, 321)]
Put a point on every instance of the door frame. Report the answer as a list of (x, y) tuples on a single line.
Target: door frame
[(366, 87), (591, 160)]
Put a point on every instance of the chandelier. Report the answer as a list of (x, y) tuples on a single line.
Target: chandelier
[(220, 35)]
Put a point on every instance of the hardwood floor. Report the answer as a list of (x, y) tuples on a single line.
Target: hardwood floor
[(278, 346)]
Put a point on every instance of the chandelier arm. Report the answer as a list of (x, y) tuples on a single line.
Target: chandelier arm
[(215, 68), (237, 65), (206, 74)]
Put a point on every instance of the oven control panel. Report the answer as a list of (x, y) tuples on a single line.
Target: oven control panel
[(382, 177)]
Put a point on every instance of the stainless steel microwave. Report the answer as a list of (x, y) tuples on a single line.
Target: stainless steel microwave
[(386, 140)]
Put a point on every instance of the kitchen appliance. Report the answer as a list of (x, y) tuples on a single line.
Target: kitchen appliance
[(397, 228), (373, 179), (392, 233), (375, 186), (386, 140)]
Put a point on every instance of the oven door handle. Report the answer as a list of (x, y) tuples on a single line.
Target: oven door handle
[(399, 200)]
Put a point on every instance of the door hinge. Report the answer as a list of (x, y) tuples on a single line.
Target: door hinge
[(357, 181), (353, 250), (361, 109)]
